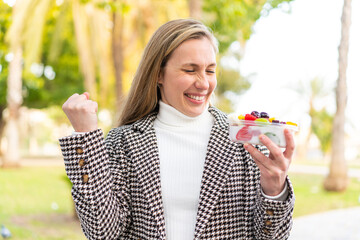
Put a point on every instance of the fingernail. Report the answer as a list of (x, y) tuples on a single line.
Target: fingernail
[(261, 137), (246, 145)]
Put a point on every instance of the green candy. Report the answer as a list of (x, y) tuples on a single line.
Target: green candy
[(262, 120)]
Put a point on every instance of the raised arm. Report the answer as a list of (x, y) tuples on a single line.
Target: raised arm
[(99, 189)]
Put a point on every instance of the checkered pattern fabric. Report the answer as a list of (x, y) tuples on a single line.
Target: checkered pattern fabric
[(117, 191)]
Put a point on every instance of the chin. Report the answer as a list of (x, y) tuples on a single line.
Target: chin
[(195, 113)]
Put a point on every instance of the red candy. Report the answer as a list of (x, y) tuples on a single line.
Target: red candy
[(244, 134), (250, 117)]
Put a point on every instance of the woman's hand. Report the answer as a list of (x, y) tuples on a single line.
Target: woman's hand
[(81, 112), (273, 169)]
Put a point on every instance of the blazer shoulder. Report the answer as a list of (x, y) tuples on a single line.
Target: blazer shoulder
[(118, 132)]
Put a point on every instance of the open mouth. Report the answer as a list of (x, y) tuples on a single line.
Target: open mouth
[(197, 98)]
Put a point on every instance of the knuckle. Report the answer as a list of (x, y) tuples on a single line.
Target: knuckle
[(291, 147), (277, 153)]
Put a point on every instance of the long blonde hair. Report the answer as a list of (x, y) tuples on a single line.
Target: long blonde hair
[(144, 94)]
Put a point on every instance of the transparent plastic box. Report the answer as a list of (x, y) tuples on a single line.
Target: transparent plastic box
[(248, 131)]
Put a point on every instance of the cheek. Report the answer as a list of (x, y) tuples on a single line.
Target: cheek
[(213, 84), (183, 82)]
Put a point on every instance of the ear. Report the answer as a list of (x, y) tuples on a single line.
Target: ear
[(161, 77)]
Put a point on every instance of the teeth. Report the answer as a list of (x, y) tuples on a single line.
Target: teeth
[(198, 98)]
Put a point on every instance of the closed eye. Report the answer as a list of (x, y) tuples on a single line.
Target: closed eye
[(188, 70)]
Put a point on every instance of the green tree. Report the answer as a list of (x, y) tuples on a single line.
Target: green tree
[(321, 120), (321, 126), (230, 81)]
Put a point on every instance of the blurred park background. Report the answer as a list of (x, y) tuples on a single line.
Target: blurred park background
[(295, 59)]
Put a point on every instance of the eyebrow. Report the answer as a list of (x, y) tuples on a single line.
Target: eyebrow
[(196, 65)]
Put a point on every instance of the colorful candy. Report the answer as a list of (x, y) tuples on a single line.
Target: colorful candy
[(248, 127), (263, 117)]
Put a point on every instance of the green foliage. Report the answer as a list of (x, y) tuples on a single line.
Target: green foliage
[(231, 79), (114, 6), (321, 126), (233, 20), (58, 56), (5, 16), (223, 103)]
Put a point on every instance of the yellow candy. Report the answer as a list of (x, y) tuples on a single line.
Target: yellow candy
[(291, 123), (271, 119), (241, 117)]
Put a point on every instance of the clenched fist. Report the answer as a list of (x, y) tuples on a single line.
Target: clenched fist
[(81, 112)]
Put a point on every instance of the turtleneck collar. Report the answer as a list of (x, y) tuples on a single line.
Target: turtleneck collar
[(170, 116)]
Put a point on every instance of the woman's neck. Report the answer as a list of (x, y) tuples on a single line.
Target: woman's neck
[(170, 116)]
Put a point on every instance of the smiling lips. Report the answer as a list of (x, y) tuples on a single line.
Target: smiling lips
[(197, 98)]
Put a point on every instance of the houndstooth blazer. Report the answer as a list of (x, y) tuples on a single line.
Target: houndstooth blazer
[(117, 191)]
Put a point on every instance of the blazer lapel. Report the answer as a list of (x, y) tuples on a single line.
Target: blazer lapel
[(218, 164), (147, 164)]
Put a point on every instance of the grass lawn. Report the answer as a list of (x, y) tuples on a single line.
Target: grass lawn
[(35, 202), (311, 197)]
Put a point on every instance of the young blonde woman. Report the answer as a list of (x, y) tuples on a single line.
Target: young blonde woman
[(170, 171)]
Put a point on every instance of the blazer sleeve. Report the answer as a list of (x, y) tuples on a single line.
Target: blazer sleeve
[(273, 218), (101, 204)]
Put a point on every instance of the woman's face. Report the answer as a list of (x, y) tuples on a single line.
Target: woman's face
[(188, 79)]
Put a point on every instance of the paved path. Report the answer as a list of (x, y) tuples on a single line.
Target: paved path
[(341, 224)]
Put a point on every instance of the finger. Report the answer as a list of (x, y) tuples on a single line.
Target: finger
[(262, 167), (87, 95), (74, 96), (86, 106), (276, 152), (257, 155), (290, 144), (94, 106)]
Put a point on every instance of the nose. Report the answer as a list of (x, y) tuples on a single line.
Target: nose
[(202, 81)]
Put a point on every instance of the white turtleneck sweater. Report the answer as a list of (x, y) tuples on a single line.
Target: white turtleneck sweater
[(182, 143)]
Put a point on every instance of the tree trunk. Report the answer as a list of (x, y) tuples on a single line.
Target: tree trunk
[(14, 101), (2, 125), (337, 179), (84, 47), (195, 9), (118, 58)]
